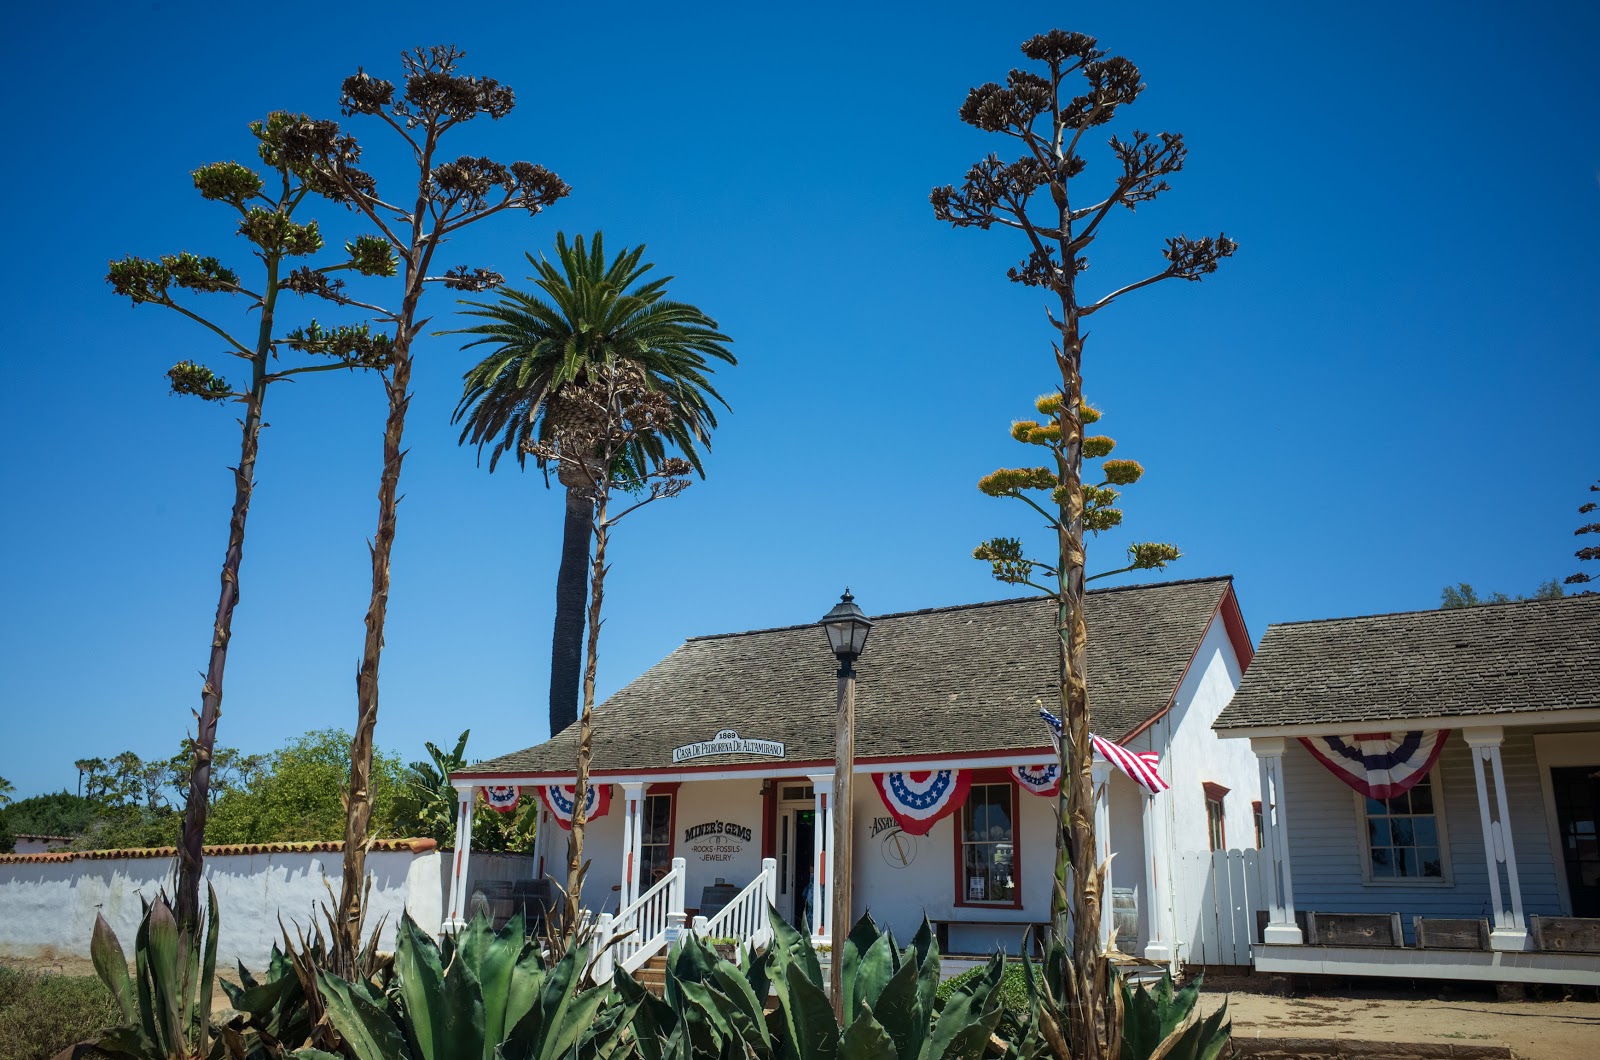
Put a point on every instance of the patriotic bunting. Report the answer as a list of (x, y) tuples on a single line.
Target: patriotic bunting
[(1040, 780), (917, 800), (1141, 767), (1380, 765), (502, 797), (562, 800)]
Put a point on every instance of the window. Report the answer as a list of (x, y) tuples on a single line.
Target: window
[(987, 849), (1255, 812), (1403, 836), (1216, 815), (655, 840)]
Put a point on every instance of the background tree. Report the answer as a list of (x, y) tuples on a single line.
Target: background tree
[(610, 416), (1589, 552), (7, 789), (1005, 555), (592, 313), (1046, 111), (434, 804), (297, 795), (444, 198), (266, 212), (1463, 594)]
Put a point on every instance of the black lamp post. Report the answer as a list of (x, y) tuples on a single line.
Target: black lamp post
[(847, 630)]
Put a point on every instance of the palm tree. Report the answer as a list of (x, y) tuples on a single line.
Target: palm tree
[(585, 314)]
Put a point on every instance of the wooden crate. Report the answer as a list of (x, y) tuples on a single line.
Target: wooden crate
[(1355, 929), (1442, 933), (1566, 934)]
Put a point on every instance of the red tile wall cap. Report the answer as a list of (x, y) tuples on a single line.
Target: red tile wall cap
[(415, 846)]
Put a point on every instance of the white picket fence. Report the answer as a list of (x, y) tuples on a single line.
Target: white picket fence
[(1230, 893)]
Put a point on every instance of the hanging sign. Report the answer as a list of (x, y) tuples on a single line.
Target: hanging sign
[(562, 800), (918, 799), (1380, 765), (728, 742), (502, 797), (1040, 780)]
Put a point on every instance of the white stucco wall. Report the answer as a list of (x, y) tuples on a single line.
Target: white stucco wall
[(725, 856), (1191, 755), (48, 908)]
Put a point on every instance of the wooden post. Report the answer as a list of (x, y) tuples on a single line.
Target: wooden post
[(843, 769)]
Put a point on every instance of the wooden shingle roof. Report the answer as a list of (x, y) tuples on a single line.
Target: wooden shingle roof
[(1493, 659), (941, 681)]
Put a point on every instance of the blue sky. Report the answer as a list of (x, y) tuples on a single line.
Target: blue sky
[(1390, 388)]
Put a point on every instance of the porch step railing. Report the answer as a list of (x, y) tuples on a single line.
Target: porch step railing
[(641, 930), (744, 918)]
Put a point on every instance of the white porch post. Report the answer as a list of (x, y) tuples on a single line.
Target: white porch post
[(1100, 775), (1281, 926), (454, 920), (633, 799), (1159, 946), (822, 856), (1510, 928)]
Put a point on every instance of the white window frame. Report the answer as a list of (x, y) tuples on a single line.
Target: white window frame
[(1364, 848)]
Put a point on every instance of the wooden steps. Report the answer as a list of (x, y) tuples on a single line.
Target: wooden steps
[(653, 975)]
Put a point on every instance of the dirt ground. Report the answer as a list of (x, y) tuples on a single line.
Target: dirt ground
[(1553, 1029)]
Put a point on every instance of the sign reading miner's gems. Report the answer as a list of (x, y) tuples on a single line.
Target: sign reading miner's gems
[(717, 840), (728, 742)]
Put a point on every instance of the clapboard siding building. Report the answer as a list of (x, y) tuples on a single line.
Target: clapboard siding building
[(715, 768), (1480, 859)]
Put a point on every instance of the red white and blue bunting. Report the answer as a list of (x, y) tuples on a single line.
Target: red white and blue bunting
[(916, 800), (561, 800), (1380, 765), (1039, 780), (502, 797)]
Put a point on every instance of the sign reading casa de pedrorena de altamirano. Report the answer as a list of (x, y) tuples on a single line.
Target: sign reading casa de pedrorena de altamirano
[(728, 742)]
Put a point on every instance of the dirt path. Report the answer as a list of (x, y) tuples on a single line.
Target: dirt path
[(1535, 1030)]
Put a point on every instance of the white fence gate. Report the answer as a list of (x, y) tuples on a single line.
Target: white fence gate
[(1231, 892)]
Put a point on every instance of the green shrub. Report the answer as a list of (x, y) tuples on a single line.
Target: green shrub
[(41, 1014), (1013, 994)]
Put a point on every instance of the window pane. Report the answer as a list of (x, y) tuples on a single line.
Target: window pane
[(1381, 862), (1432, 865), (1376, 806), (1408, 861), (1400, 803), (1426, 829), (1400, 828), (1378, 832), (1422, 798)]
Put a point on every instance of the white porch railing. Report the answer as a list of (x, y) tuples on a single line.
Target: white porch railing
[(744, 918), (643, 929)]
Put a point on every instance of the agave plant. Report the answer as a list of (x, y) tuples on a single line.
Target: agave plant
[(479, 995), (1157, 1024), (714, 1008), (166, 1005)]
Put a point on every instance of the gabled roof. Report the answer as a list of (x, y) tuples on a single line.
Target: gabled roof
[(1494, 659), (939, 682)]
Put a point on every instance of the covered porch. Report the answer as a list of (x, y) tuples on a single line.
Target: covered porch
[(1485, 869), (709, 850)]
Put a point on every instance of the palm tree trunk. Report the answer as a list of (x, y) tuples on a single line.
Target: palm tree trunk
[(191, 845), (580, 816), (566, 644)]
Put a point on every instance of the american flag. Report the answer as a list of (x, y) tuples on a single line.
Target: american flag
[(1141, 767)]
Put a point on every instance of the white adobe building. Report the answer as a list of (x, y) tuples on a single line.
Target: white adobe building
[(714, 770)]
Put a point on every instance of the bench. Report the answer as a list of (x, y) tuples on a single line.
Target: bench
[(941, 929)]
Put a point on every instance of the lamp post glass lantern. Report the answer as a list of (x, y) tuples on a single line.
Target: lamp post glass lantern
[(847, 630)]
